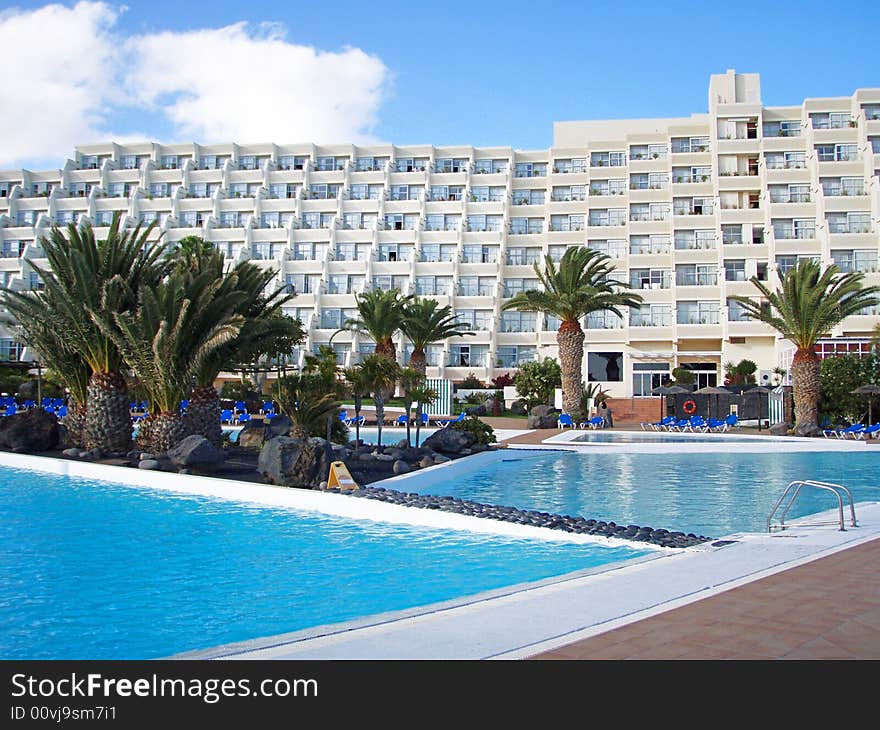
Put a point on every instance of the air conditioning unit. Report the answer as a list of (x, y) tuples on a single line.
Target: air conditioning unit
[(765, 377)]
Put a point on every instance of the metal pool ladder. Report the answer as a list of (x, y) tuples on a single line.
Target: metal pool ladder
[(794, 489)]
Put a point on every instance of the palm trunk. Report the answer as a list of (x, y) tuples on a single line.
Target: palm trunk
[(75, 423), (805, 387), (357, 418), (385, 348), (203, 414), (165, 429), (108, 419), (380, 416), (418, 361), (570, 339), (418, 422), (407, 407)]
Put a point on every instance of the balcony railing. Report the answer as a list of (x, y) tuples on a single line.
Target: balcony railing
[(567, 226), (848, 227), (640, 249), (651, 216), (837, 190), (786, 164), (782, 233), (790, 197), (697, 317), (637, 319), (697, 244), (696, 279)]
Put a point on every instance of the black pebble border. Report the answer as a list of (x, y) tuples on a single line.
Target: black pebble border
[(566, 523)]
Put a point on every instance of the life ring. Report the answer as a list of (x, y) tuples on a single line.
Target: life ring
[(689, 407)]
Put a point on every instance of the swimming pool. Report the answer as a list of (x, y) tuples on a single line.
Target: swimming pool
[(655, 437), (95, 570), (711, 494)]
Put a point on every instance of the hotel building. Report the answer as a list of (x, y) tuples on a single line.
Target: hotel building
[(689, 208)]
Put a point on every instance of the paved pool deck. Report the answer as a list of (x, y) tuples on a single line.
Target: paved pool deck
[(825, 609)]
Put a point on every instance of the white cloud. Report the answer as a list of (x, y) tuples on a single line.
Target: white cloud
[(249, 84), (79, 76), (59, 66)]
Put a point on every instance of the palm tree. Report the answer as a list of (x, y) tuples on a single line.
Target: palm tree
[(425, 322), (581, 284), (380, 316), (380, 376), (29, 310), (358, 387), (304, 398), (422, 396), (178, 324), (265, 329), (88, 280), (409, 379), (809, 305)]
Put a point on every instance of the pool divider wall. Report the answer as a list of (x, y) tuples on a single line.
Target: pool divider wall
[(328, 503)]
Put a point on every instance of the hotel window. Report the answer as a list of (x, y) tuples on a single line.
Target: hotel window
[(864, 261), (89, 162), (511, 356), (696, 275), (650, 278), (647, 376), (247, 162), (604, 367), (129, 162), (705, 312), (735, 270), (387, 282), (530, 169), (614, 247), (736, 312), (518, 321), (602, 321), (651, 315), (170, 162), (788, 128), (449, 164)]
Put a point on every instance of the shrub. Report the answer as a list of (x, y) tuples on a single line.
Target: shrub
[(741, 373), (483, 432), (536, 380), (471, 382), (838, 377), (502, 381), (683, 376)]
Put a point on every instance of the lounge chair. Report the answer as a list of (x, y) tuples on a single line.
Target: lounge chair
[(449, 422), (243, 417), (868, 432), (184, 404), (696, 423), (268, 407), (716, 424), (594, 422), (46, 403), (401, 420), (658, 425), (564, 420), (679, 425), (240, 407), (424, 419), (343, 416), (843, 433), (359, 420), (28, 404), (61, 411), (226, 416)]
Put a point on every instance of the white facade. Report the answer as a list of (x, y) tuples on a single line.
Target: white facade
[(689, 208)]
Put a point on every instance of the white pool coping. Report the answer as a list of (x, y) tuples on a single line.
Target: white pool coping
[(510, 623), (651, 442)]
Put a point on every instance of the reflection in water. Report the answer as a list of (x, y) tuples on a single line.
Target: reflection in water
[(712, 494)]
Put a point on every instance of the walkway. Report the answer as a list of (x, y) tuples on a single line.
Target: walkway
[(826, 609)]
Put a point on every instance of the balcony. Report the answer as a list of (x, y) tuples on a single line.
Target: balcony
[(789, 233), (566, 226), (786, 197), (650, 320), (696, 279), (848, 227)]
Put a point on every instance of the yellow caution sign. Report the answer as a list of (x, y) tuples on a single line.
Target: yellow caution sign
[(340, 477)]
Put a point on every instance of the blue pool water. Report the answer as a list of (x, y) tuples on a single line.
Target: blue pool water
[(712, 494), (94, 570), (659, 437)]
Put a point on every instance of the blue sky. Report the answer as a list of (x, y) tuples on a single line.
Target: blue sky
[(501, 73)]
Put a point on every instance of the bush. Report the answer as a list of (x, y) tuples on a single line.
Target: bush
[(471, 382), (740, 374), (838, 377), (683, 376), (483, 432), (237, 389), (502, 381), (536, 380)]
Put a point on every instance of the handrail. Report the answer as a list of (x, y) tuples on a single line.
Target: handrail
[(794, 489)]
